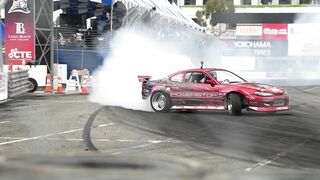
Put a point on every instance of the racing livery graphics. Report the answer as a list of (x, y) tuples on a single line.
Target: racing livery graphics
[(212, 89)]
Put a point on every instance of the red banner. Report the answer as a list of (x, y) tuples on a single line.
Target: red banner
[(275, 31), (20, 30)]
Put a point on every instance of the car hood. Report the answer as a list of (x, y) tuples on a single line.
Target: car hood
[(260, 87)]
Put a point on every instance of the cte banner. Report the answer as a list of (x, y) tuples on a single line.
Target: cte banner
[(20, 30)]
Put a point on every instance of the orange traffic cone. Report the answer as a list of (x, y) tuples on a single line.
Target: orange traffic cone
[(48, 84), (84, 88), (59, 88)]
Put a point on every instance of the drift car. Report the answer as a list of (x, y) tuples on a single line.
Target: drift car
[(211, 89)]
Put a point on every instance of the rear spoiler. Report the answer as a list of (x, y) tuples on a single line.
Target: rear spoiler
[(144, 78)]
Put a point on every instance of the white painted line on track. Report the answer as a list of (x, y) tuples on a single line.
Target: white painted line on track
[(23, 107), (4, 122), (276, 156), (49, 103), (264, 162), (10, 138), (96, 140), (150, 143), (143, 145), (48, 135)]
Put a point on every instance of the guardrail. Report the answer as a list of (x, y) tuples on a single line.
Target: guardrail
[(18, 82)]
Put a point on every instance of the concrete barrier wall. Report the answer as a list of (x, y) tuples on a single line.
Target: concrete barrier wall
[(18, 83), (3, 86)]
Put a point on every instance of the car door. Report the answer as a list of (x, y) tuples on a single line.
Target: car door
[(176, 88), (200, 90)]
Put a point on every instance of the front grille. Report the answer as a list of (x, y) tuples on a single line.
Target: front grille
[(279, 103), (278, 94)]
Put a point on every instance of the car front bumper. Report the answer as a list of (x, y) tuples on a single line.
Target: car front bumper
[(269, 104)]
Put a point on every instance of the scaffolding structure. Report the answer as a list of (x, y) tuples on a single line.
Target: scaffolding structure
[(44, 33)]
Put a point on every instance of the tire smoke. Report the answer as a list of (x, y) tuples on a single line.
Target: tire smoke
[(137, 51)]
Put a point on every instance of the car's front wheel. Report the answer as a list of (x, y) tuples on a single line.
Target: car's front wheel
[(160, 102), (234, 104)]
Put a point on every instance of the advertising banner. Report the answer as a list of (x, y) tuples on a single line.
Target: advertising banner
[(303, 39), (248, 30), (275, 31), (20, 31), (256, 48)]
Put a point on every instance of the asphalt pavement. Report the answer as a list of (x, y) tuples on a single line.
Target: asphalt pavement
[(63, 136)]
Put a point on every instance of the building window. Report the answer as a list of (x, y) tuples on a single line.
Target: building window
[(266, 2), (246, 2), (305, 1), (284, 1), (205, 2), (173, 1), (189, 2)]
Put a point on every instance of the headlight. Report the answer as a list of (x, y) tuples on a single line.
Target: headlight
[(263, 94), (285, 92)]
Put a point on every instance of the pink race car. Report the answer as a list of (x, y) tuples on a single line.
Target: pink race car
[(211, 89)]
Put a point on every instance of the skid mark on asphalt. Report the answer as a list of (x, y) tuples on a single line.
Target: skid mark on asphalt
[(49, 135), (277, 156), (86, 135)]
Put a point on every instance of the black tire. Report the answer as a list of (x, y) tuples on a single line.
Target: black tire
[(160, 102), (33, 85), (234, 105)]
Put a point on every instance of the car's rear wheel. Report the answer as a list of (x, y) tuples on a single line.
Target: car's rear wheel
[(234, 104), (160, 102)]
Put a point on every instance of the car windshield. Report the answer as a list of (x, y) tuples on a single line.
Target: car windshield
[(226, 76)]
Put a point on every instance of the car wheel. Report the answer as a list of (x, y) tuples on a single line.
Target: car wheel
[(33, 85), (234, 105), (160, 102)]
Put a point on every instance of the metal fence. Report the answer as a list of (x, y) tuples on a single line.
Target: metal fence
[(80, 48)]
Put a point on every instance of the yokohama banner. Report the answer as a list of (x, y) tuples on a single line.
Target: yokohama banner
[(20, 30), (256, 48)]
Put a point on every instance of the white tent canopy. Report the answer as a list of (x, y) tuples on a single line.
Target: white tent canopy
[(164, 8)]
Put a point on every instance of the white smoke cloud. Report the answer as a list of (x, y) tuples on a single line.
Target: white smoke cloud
[(136, 52), (2, 3)]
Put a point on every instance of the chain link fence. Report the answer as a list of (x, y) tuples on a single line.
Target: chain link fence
[(80, 48)]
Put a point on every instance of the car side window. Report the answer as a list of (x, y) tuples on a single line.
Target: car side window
[(177, 78), (197, 77), (187, 77)]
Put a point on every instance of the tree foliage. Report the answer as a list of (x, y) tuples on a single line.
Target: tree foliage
[(216, 6)]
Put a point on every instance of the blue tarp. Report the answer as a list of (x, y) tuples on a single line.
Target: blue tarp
[(107, 2), (2, 31), (90, 7)]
